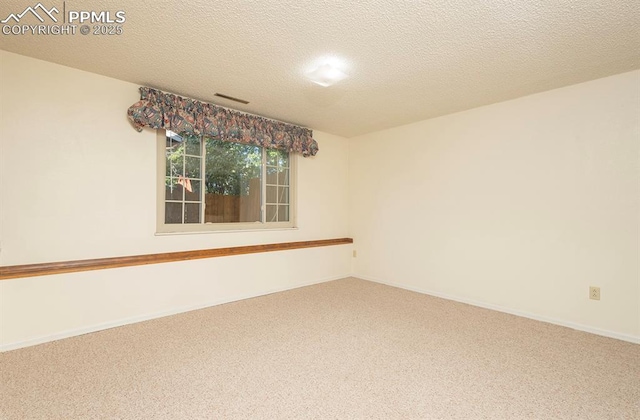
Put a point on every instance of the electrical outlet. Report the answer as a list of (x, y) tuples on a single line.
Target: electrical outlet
[(355, 254), (594, 293)]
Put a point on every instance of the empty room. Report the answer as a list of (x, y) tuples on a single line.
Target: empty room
[(319, 209)]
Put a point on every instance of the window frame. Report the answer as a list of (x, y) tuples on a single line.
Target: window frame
[(186, 228)]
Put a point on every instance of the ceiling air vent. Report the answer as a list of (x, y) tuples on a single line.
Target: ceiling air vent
[(231, 98)]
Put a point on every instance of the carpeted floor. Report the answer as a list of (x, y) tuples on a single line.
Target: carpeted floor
[(347, 349)]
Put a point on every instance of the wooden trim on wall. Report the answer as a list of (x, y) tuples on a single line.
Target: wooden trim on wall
[(44, 269)]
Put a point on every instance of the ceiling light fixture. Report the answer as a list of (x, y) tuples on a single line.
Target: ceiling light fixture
[(326, 75)]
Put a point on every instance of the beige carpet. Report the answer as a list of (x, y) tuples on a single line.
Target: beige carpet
[(347, 349)]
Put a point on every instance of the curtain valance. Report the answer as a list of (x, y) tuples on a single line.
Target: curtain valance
[(157, 109)]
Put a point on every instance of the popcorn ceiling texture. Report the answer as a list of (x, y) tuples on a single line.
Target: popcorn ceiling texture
[(347, 349), (408, 61)]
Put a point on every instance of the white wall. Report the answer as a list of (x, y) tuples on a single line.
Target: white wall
[(519, 206), (77, 181)]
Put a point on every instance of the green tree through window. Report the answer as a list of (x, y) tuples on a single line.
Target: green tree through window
[(212, 181)]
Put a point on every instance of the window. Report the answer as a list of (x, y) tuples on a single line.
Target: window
[(207, 184)]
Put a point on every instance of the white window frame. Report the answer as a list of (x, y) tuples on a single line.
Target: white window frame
[(179, 228)]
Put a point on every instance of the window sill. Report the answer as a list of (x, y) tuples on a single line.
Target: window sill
[(201, 232)]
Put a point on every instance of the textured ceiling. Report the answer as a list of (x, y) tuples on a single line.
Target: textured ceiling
[(407, 60)]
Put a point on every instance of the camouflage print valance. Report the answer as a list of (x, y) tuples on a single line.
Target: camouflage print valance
[(157, 109)]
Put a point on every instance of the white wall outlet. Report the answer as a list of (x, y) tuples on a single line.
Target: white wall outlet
[(594, 293)]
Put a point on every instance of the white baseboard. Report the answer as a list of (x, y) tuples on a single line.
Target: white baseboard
[(569, 324), (126, 321)]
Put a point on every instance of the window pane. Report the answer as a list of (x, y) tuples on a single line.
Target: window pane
[(193, 145), (251, 204), (232, 182), (272, 194), (283, 195), (173, 213), (167, 165), (283, 160), (277, 157), (174, 164), (283, 176), (174, 155), (271, 214), (191, 213), (272, 157), (194, 194), (173, 190), (272, 175), (192, 167), (283, 213)]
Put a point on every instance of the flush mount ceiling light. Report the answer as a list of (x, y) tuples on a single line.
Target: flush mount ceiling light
[(326, 75)]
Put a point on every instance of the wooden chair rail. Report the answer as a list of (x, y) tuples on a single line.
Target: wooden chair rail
[(33, 270)]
